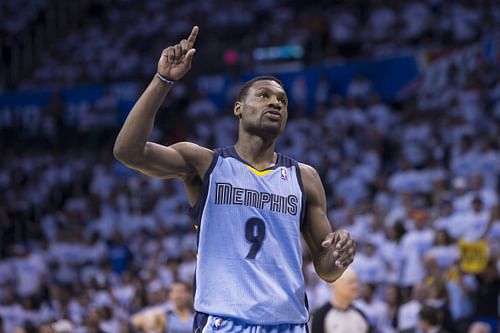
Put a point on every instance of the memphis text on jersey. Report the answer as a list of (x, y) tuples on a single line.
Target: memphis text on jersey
[(227, 194)]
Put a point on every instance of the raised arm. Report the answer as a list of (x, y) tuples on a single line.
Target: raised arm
[(183, 160), (332, 252)]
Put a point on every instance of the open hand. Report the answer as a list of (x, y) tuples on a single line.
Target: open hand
[(341, 246), (175, 61)]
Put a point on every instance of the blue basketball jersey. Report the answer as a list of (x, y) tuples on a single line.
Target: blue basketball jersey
[(249, 263), (176, 325)]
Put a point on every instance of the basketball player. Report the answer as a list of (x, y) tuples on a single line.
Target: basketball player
[(251, 205)]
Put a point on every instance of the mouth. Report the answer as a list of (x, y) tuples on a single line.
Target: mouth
[(272, 114)]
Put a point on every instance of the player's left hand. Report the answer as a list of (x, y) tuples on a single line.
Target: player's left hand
[(341, 246)]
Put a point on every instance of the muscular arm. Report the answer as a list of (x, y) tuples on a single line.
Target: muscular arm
[(183, 160), (331, 252)]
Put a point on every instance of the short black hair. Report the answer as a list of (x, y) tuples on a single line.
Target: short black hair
[(244, 90), (432, 315)]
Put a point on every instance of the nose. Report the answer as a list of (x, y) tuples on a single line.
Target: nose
[(273, 101)]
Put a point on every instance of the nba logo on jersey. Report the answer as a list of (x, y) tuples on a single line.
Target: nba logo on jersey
[(217, 323), (284, 174)]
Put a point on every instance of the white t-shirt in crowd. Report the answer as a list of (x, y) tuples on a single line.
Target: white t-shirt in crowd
[(445, 255), (376, 311), (414, 244), (474, 225), (392, 255), (408, 315), (370, 269), (12, 316), (29, 273)]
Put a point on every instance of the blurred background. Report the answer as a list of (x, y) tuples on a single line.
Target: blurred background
[(395, 103)]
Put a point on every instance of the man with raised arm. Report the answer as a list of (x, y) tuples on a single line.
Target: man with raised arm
[(250, 203)]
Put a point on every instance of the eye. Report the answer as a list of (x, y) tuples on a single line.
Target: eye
[(263, 95)]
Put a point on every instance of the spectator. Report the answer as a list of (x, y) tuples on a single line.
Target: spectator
[(119, 254), (178, 318), (444, 250), (460, 288), (430, 320), (339, 315), (369, 264), (375, 310), (57, 180), (408, 312), (392, 297), (414, 244), (486, 296)]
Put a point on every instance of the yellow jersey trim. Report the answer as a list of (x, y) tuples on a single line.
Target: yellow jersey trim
[(257, 172)]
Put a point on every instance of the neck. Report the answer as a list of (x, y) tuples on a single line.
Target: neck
[(257, 151), (340, 303)]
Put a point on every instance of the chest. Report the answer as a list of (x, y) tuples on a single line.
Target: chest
[(233, 183)]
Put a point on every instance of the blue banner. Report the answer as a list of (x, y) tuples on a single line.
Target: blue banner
[(389, 77)]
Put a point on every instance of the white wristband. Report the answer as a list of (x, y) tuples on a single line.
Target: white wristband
[(164, 79)]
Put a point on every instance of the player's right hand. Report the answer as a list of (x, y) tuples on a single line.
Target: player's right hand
[(175, 61)]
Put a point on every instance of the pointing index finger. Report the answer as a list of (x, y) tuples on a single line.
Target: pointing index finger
[(192, 36)]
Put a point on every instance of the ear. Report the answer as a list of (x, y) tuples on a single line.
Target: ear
[(237, 109)]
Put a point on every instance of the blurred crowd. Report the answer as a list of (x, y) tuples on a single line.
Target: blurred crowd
[(90, 242), (86, 243), (115, 43), (17, 15)]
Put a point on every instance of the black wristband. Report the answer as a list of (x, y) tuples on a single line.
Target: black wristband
[(164, 79)]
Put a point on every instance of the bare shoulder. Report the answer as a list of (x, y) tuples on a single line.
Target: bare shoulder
[(311, 180), (195, 155), (193, 150)]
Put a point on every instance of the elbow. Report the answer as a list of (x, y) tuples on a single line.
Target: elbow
[(119, 152), (328, 278), (331, 277), (125, 155), (328, 271)]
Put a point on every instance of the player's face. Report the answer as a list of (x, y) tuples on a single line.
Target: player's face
[(264, 110)]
